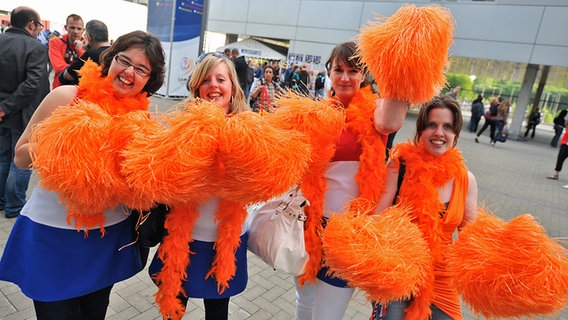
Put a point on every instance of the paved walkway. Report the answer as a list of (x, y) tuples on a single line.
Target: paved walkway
[(511, 178)]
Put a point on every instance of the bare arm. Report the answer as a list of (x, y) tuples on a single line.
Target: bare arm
[(60, 96), (389, 115), (391, 184), (470, 201)]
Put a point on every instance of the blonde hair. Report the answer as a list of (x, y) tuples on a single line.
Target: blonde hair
[(203, 70)]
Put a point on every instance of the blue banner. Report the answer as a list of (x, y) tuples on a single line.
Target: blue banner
[(180, 39)]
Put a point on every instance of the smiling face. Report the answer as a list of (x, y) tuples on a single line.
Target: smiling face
[(123, 73), (439, 134), (345, 80), (217, 87)]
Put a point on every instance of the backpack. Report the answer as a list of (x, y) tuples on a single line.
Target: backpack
[(320, 81), (250, 75), (493, 109)]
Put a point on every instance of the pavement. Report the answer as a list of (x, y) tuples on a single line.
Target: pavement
[(511, 179)]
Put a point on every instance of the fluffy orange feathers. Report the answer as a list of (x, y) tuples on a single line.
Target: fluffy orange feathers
[(385, 255), (408, 53), (509, 269), (170, 164), (72, 157), (322, 122), (174, 251), (259, 160), (76, 150)]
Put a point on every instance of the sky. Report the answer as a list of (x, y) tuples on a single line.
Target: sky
[(120, 16)]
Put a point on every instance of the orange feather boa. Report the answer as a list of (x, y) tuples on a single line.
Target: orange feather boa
[(408, 52), (424, 174), (371, 176), (76, 151), (509, 269), (198, 154)]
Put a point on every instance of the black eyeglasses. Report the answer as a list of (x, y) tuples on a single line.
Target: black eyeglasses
[(37, 23), (125, 62), (215, 54)]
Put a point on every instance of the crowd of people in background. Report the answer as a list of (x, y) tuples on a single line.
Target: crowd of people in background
[(124, 75)]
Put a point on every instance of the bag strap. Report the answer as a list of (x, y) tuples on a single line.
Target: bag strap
[(290, 204), (264, 97)]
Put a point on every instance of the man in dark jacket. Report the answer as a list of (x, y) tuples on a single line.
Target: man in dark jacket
[(241, 67), (23, 85), (96, 34)]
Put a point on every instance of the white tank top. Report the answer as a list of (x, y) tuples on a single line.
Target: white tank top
[(44, 207)]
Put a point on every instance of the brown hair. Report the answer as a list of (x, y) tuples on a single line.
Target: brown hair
[(347, 53), (151, 46), (442, 102)]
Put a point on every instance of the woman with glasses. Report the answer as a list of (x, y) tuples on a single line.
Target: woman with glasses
[(70, 243)]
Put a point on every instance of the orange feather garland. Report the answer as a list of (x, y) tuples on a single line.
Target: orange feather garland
[(76, 150), (385, 255), (408, 52), (171, 163), (258, 159), (509, 269), (322, 122), (174, 252)]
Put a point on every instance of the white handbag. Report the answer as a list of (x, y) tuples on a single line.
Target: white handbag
[(276, 232)]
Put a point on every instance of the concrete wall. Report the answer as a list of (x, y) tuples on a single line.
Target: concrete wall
[(527, 31)]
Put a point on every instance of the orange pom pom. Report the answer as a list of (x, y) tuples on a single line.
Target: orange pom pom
[(169, 163), (386, 256), (509, 269), (408, 53), (257, 160), (75, 157)]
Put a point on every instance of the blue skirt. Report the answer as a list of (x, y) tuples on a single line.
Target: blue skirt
[(196, 286), (53, 264)]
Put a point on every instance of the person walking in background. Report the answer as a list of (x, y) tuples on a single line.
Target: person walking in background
[(319, 85), (533, 121), (501, 119), (304, 83), (63, 51), (241, 68), (562, 155), (489, 119), (477, 110), (24, 82), (559, 125), (96, 34), (57, 256)]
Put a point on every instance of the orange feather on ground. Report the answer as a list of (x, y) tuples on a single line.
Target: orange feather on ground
[(509, 269), (408, 52), (386, 256)]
